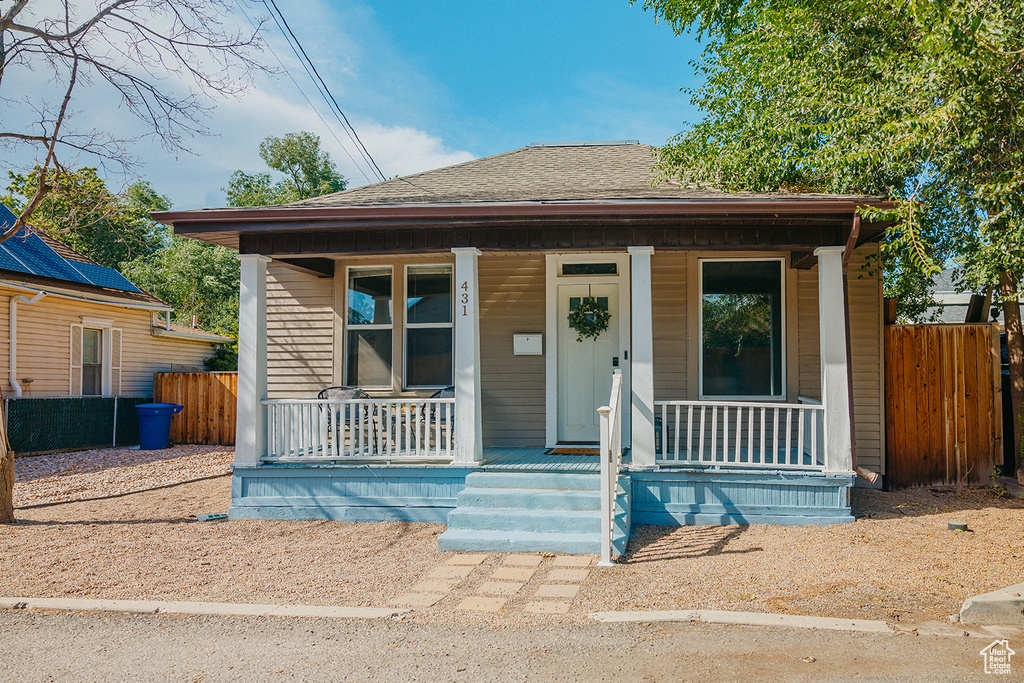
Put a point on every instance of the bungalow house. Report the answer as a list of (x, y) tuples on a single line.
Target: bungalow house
[(73, 328), (735, 339)]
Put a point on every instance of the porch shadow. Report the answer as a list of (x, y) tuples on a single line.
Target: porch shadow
[(661, 543)]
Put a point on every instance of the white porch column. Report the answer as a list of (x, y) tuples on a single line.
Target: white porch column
[(835, 393), (250, 430), (468, 423), (641, 358)]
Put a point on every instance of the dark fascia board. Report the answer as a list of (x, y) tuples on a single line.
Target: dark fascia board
[(245, 218)]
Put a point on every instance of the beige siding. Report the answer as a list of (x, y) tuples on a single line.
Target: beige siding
[(511, 300), (668, 296), (300, 332), (44, 344), (865, 294)]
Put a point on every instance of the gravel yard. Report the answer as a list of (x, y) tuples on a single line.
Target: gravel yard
[(897, 562), (110, 471)]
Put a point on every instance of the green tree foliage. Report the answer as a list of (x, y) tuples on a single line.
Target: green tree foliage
[(83, 213), (308, 172), (915, 100), (196, 279), (919, 100)]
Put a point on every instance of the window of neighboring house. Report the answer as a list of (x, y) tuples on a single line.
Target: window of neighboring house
[(95, 358), (369, 328), (92, 362), (742, 335), (428, 327)]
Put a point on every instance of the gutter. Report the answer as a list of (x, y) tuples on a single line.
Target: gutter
[(190, 336), (108, 302), (13, 341), (851, 243), (486, 210)]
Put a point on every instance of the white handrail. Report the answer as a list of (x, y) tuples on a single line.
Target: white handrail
[(611, 459), (343, 429), (758, 435)]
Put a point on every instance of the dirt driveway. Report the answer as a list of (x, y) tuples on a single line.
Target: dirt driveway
[(897, 562)]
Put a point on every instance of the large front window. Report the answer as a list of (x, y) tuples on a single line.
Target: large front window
[(741, 328), (369, 328), (428, 327)]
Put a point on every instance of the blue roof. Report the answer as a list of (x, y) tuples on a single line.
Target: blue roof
[(26, 252)]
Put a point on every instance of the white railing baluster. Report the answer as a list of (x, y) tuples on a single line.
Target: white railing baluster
[(677, 433), (789, 435), (700, 434), (689, 432), (800, 438), (775, 435), (714, 434)]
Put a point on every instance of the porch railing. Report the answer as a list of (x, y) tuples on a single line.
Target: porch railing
[(740, 434), (611, 460), (379, 429)]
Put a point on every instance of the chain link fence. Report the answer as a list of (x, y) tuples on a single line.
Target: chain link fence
[(46, 425)]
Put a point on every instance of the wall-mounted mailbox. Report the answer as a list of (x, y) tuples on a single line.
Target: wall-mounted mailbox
[(528, 344)]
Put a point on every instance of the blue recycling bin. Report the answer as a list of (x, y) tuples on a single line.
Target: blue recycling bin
[(155, 424)]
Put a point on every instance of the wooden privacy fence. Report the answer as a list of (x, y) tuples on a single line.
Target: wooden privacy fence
[(210, 400), (943, 404)]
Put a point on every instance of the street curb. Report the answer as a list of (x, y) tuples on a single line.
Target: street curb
[(1003, 607), (201, 608), (796, 621)]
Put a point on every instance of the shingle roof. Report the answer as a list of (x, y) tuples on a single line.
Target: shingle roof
[(550, 172)]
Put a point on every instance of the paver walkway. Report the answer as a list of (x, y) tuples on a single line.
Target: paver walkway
[(555, 582)]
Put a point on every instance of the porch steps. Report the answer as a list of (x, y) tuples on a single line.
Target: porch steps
[(532, 512)]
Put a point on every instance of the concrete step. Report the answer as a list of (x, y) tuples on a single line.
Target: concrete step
[(517, 519), (518, 541), (534, 480), (528, 499)]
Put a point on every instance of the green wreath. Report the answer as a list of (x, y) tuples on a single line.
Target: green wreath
[(589, 319)]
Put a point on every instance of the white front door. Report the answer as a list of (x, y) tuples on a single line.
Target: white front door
[(585, 367)]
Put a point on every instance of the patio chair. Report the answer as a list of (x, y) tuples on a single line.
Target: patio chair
[(342, 393), (447, 392)]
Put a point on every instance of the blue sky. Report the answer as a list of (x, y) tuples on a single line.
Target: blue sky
[(427, 84)]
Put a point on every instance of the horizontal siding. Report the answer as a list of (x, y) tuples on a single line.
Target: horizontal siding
[(668, 297), (300, 332), (511, 300), (44, 345)]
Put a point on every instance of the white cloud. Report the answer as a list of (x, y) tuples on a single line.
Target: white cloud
[(389, 118)]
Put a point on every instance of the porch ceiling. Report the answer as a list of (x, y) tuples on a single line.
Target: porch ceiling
[(794, 225)]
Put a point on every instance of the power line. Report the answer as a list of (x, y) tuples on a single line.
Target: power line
[(302, 92), (322, 86)]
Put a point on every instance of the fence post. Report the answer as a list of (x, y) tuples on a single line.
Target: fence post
[(113, 439)]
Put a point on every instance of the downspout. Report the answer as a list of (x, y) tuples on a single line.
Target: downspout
[(13, 341), (851, 244)]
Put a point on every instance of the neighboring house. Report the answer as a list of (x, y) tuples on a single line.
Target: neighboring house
[(728, 324), (72, 327), (954, 303)]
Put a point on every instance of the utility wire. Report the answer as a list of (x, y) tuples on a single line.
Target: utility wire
[(330, 129), (325, 91)]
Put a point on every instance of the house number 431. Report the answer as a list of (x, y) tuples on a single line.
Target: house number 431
[(464, 297)]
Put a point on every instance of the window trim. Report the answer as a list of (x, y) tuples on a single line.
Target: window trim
[(346, 326), (783, 344), (110, 338), (406, 325)]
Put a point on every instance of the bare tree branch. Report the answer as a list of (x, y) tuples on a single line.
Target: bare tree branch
[(164, 60)]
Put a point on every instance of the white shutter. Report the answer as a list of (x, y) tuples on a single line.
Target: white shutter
[(75, 381), (115, 361)]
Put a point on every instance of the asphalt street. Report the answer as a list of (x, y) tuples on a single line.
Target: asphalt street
[(61, 646)]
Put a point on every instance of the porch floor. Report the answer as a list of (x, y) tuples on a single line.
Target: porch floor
[(536, 460)]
